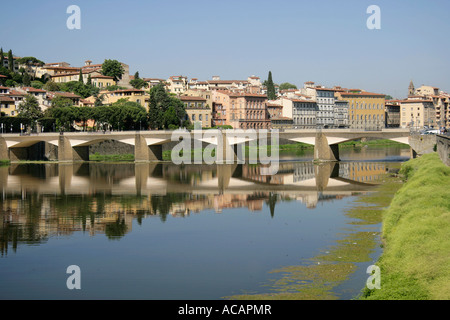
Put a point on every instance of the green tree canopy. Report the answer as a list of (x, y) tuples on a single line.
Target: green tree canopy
[(10, 61), (30, 109), (287, 85), (160, 103), (113, 68), (137, 82), (270, 88)]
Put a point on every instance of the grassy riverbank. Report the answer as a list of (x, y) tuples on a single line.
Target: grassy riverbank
[(113, 157), (375, 142), (415, 264)]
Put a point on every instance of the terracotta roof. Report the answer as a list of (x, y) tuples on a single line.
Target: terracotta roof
[(125, 90), (16, 93), (101, 76), (226, 81), (31, 89), (66, 94), (6, 99), (416, 101), (361, 94), (303, 100), (2, 76), (191, 98)]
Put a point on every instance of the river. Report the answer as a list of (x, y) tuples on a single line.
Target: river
[(161, 231)]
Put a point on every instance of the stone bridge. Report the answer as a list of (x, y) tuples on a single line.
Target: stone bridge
[(70, 147)]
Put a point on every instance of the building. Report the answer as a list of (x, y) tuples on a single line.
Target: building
[(340, 114), (366, 110), (7, 106), (304, 114), (10, 99), (177, 84), (281, 123), (203, 93), (197, 110), (417, 113), (134, 95), (325, 107), (274, 109), (240, 109), (392, 114), (440, 100)]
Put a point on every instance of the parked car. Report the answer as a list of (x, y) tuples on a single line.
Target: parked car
[(432, 131)]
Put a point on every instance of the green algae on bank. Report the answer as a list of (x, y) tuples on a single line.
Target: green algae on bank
[(318, 278)]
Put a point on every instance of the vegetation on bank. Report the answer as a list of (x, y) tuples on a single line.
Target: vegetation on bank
[(374, 142), (4, 162), (112, 157), (415, 264)]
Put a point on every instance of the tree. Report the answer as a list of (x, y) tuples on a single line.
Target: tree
[(2, 57), (80, 77), (61, 102), (270, 88), (159, 99), (89, 80), (26, 79), (10, 61), (287, 85), (170, 118), (51, 86), (30, 109), (113, 68), (137, 82)]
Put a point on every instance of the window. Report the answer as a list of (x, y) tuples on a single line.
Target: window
[(193, 117)]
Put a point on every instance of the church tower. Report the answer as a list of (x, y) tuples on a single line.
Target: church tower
[(411, 89)]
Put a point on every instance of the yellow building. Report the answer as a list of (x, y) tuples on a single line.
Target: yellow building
[(134, 95), (197, 110), (365, 109), (417, 113), (8, 106), (101, 81)]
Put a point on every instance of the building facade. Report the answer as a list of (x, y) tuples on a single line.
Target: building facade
[(197, 110), (366, 110), (417, 113)]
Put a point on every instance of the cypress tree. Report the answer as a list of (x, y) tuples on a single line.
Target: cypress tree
[(26, 79), (2, 57), (10, 61), (89, 81), (270, 88), (80, 78)]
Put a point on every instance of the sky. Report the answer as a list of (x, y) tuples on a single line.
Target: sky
[(325, 41)]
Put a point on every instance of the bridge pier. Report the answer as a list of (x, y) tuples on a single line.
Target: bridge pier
[(4, 154), (226, 153), (324, 151), (67, 153), (145, 152)]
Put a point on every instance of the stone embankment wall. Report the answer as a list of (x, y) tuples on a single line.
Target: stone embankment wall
[(422, 144), (443, 149)]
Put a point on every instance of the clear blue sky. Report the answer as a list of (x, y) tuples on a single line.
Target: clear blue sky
[(323, 41)]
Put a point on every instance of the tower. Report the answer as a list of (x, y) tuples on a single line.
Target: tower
[(411, 89)]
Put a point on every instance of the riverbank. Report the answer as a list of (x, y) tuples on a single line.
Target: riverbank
[(415, 264)]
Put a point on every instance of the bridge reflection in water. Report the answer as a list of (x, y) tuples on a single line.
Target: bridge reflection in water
[(295, 179)]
